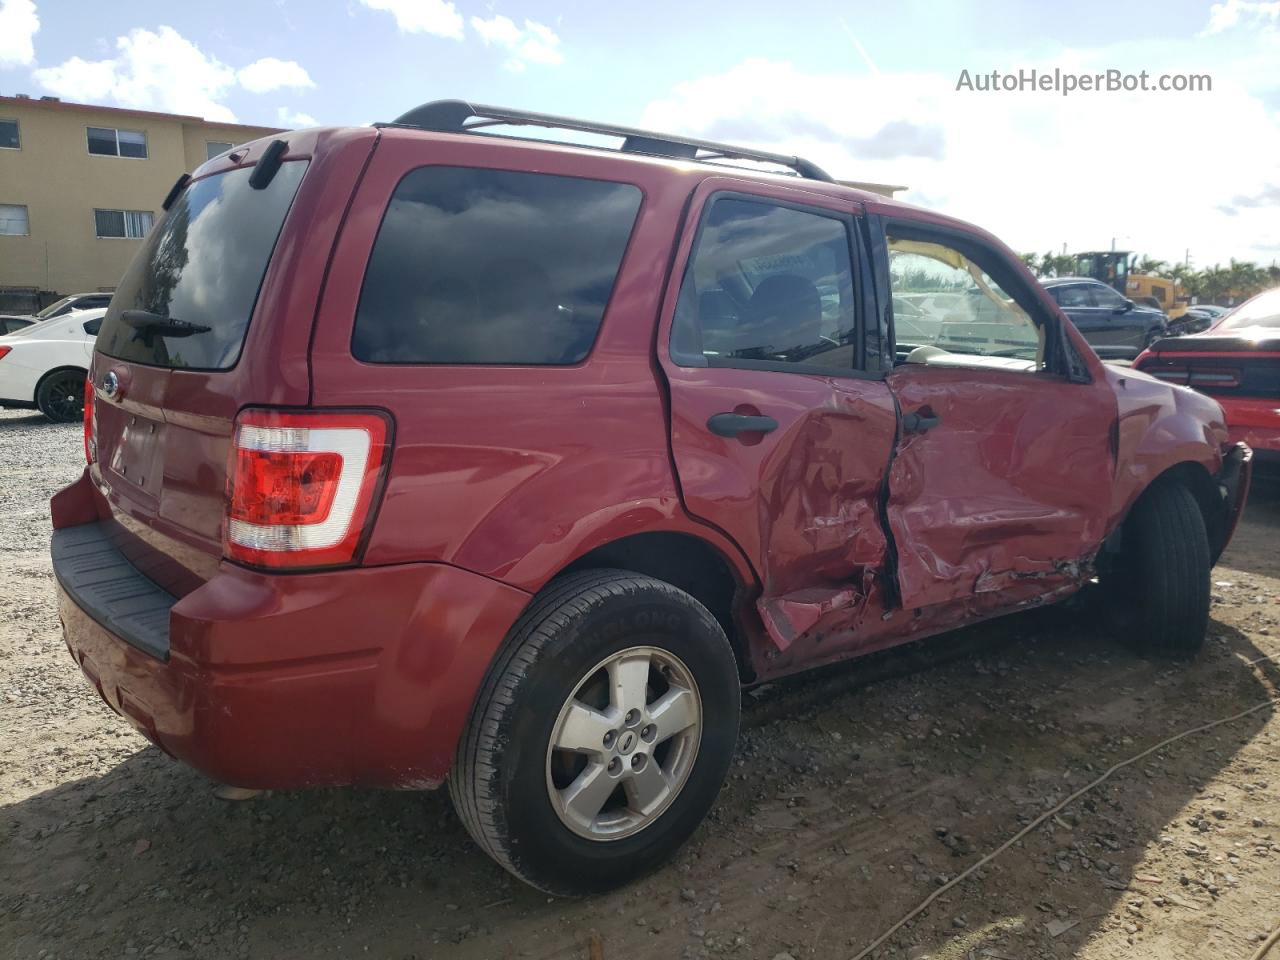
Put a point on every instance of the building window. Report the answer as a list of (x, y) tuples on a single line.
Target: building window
[(110, 142), (9, 137), (13, 220), (132, 224), (216, 148)]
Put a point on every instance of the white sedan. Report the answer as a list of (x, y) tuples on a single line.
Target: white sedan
[(44, 365)]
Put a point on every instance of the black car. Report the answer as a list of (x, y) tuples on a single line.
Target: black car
[(1116, 328)]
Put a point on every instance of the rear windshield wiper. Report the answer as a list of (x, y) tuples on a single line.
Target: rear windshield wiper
[(149, 325)]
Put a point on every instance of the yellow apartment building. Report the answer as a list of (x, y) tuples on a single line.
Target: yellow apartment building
[(81, 185)]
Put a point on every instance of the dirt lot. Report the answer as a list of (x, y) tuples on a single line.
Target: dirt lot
[(855, 793)]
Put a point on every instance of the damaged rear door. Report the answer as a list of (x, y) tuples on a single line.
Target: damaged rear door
[(780, 437), (1000, 487)]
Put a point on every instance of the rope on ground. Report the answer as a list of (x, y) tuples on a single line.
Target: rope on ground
[(1267, 944), (924, 904)]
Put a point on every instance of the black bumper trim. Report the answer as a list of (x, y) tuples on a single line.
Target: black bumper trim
[(1233, 485), (110, 589)]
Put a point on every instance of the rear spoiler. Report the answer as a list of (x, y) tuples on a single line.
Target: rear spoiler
[(1218, 344)]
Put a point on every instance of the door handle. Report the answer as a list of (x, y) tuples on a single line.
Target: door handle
[(732, 424), (920, 422)]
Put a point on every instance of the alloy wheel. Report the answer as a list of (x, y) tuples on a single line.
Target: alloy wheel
[(624, 743)]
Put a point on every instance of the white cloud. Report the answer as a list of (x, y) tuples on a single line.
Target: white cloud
[(534, 43), (162, 70), (159, 70), (79, 79), (1225, 15), (292, 119), (269, 73), (438, 17), (1038, 169), (18, 25), (499, 30)]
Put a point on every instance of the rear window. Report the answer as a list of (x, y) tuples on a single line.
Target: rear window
[(186, 299), (1261, 311), (492, 266)]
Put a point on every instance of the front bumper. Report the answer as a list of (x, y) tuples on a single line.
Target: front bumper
[(1233, 484), (360, 676)]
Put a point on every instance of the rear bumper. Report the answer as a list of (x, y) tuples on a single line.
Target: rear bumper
[(1252, 420), (362, 676)]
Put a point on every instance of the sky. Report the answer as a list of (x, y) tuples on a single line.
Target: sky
[(867, 90)]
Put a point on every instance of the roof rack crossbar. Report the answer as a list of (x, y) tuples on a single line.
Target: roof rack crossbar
[(461, 116)]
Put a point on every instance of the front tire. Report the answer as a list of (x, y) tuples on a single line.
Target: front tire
[(1158, 583), (602, 734)]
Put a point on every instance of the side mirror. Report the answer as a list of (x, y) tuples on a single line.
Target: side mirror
[(1128, 305)]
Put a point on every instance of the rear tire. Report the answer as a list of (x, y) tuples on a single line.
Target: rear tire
[(60, 396), (523, 796), (1158, 584)]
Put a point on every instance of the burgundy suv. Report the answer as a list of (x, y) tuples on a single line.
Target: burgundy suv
[(419, 453)]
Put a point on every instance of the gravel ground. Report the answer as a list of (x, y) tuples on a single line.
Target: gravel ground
[(855, 793)]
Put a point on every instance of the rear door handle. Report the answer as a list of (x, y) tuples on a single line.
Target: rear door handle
[(732, 424), (919, 422)]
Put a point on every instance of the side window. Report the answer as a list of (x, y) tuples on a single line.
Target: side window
[(1076, 296), (1104, 296), (945, 301), (493, 267), (766, 285)]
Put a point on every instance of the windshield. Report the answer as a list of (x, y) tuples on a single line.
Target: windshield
[(53, 308), (186, 299), (1262, 311)]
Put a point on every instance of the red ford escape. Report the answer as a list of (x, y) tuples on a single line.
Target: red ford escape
[(419, 453)]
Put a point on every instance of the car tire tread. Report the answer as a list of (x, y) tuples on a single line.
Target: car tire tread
[(475, 778), (1169, 558)]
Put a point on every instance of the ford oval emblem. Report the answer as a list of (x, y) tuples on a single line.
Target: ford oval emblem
[(110, 384)]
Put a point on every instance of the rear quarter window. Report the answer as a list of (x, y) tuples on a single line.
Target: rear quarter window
[(476, 266), (186, 299)]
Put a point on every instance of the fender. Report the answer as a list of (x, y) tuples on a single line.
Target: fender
[(564, 543), (1160, 426)]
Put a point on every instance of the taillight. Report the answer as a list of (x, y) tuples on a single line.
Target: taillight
[(1216, 377), (1190, 373), (90, 424), (4, 352), (1170, 374), (301, 486)]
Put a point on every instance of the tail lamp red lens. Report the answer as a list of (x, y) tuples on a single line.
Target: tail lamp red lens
[(90, 424), (4, 352), (1194, 375), (1217, 377), (301, 486)]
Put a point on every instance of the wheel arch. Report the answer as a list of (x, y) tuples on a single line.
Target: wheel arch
[(690, 563), (1204, 488)]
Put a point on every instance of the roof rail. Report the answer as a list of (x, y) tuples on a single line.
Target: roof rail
[(461, 116)]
